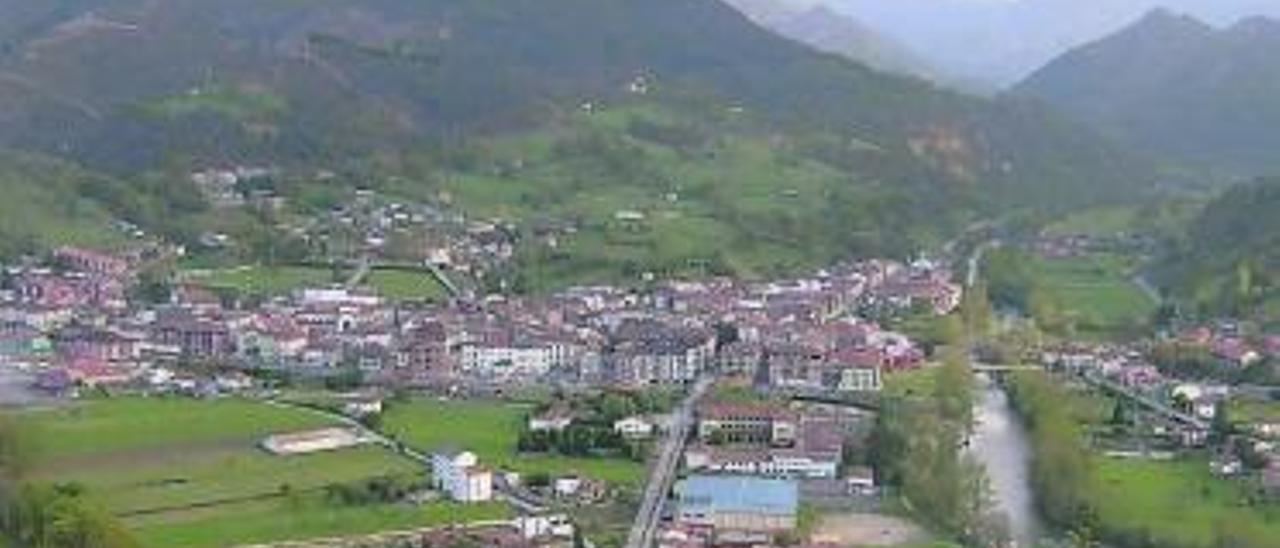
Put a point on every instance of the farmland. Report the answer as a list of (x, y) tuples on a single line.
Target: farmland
[(187, 471), (1095, 291), (491, 430)]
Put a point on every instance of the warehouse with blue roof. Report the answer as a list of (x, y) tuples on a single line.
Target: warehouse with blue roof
[(737, 503)]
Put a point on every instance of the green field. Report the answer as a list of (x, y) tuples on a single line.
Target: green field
[(1178, 503), (491, 430), (1096, 292), (1253, 411), (264, 280), (236, 104), (404, 285), (914, 383), (190, 472), (1097, 222)]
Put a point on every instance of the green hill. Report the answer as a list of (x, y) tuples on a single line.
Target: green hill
[(1170, 85), (765, 143), (1229, 261)]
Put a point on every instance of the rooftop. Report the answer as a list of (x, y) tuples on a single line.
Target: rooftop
[(739, 494)]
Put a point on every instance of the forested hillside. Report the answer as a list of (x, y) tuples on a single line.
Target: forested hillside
[(691, 93), (1230, 259)]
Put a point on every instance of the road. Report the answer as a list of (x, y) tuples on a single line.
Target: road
[(975, 262), (664, 470)]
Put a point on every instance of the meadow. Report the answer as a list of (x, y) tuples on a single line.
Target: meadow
[(405, 285), (1096, 292), (269, 281), (190, 473), (1176, 503), (491, 430)]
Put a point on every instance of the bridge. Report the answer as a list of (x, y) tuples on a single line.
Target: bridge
[(986, 368), (1151, 404)]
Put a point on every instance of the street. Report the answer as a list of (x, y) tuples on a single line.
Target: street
[(664, 470)]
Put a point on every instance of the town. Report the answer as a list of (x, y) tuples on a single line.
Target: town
[(716, 412)]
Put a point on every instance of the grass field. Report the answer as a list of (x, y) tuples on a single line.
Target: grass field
[(491, 430), (1179, 503), (308, 517), (1097, 292), (185, 472), (402, 285), (1098, 222), (1247, 411), (915, 383), (265, 280)]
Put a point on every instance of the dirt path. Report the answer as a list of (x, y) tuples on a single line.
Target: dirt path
[(866, 530)]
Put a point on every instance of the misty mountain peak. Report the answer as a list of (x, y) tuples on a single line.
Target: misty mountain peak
[(1166, 22)]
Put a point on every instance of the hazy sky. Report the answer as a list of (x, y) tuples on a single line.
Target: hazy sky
[(1001, 41)]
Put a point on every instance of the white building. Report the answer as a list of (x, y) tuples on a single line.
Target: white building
[(517, 359), (634, 428), (776, 464), (860, 379), (459, 475)]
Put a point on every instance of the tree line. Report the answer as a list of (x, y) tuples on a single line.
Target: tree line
[(38, 515)]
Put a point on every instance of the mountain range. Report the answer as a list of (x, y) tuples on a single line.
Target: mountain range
[(824, 29), (531, 108), (1171, 85), (1000, 42)]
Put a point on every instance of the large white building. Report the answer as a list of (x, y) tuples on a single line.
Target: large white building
[(459, 475)]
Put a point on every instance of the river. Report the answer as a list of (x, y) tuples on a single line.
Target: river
[(1000, 444)]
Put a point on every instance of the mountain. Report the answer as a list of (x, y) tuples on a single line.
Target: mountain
[(739, 145), (1229, 260), (1175, 86), (1000, 42), (829, 31)]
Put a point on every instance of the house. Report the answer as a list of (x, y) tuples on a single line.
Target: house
[(748, 423), (459, 475), (858, 378), (193, 335), (554, 526), (861, 480), (816, 453), (85, 260), (555, 419), (634, 428), (737, 503), (358, 405), (566, 486), (20, 342)]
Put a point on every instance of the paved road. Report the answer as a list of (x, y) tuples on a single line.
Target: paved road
[(664, 470)]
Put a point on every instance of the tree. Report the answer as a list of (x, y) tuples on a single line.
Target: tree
[(975, 308)]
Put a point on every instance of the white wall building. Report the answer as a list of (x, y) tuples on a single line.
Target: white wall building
[(459, 475)]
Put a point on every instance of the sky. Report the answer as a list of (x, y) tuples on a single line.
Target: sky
[(998, 42)]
